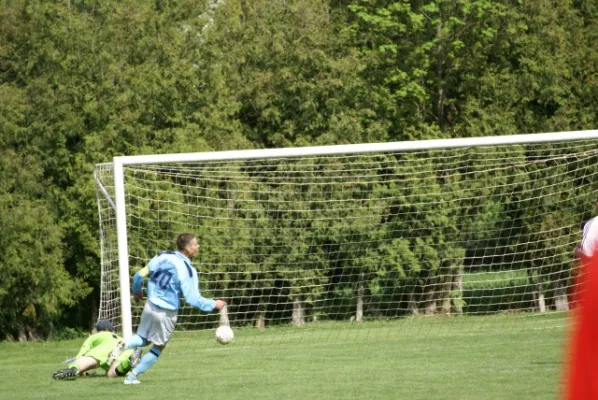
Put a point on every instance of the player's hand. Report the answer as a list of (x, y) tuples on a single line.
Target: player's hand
[(137, 296), (220, 304)]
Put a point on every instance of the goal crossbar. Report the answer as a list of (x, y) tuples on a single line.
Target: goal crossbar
[(357, 148)]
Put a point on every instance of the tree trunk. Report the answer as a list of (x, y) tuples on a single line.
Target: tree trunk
[(539, 297), (360, 292), (561, 303), (541, 302), (431, 307), (440, 90), (457, 288), (445, 306), (22, 336), (431, 297), (447, 287), (412, 305), (298, 312), (260, 320)]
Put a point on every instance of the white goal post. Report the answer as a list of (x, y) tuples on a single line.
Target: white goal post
[(380, 231)]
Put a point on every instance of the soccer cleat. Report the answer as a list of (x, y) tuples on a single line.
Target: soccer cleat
[(69, 373), (135, 358), (131, 379), (115, 352)]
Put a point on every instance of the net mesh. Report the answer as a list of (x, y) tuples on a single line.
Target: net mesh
[(287, 242)]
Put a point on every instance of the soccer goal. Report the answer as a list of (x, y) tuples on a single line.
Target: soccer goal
[(364, 234)]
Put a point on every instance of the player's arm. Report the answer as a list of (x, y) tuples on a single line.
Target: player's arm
[(138, 279), (190, 288)]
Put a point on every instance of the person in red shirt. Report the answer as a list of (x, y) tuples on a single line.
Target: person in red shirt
[(581, 377)]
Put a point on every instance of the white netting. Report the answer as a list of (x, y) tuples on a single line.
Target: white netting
[(110, 305), (293, 241)]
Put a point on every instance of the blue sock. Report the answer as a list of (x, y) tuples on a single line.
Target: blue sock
[(147, 361), (134, 342)]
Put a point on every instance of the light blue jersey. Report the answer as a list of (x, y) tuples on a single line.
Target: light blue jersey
[(171, 274)]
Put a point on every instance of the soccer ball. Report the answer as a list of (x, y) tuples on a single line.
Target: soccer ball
[(224, 334)]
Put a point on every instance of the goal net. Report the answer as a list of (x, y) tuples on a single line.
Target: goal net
[(362, 235)]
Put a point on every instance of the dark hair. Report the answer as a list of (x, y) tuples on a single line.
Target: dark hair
[(183, 240), (104, 325)]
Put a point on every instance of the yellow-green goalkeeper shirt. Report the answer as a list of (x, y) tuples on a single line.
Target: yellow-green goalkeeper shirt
[(99, 347)]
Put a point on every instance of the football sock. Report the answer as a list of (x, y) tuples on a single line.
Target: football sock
[(147, 361)]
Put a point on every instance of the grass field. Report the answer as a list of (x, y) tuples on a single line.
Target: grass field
[(492, 357)]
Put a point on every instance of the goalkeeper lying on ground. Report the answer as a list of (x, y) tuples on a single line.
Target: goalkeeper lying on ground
[(96, 352)]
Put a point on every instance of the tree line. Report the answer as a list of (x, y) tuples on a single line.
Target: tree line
[(83, 81)]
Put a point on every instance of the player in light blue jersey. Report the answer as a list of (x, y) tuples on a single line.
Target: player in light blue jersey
[(170, 274)]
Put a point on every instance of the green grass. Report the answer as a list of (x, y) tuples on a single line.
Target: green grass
[(491, 292), (490, 357), (492, 280)]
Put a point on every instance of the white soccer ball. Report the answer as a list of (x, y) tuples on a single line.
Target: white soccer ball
[(224, 334)]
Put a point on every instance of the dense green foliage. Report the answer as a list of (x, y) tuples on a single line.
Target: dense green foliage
[(82, 81)]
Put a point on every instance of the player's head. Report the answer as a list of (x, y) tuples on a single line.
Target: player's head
[(187, 244), (104, 325)]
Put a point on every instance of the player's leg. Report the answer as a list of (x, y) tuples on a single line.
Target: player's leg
[(145, 363), (76, 368), (136, 341), (86, 363), (66, 373), (128, 360), (149, 359), (157, 328), (135, 358), (139, 338)]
